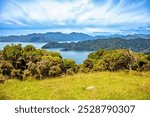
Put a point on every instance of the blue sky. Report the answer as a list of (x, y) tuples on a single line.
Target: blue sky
[(87, 16)]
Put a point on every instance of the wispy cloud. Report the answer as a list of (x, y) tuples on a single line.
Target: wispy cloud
[(83, 15)]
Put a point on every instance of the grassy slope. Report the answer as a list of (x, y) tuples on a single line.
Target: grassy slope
[(116, 85)]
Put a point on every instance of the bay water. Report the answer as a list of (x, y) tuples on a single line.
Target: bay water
[(78, 56)]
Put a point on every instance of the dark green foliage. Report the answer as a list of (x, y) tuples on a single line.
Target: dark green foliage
[(21, 62), (88, 63), (29, 48), (32, 68), (30, 54), (12, 52), (26, 74), (2, 79), (113, 60), (138, 45), (49, 67), (97, 54), (5, 68), (54, 71), (17, 73), (84, 69), (69, 66), (142, 64)]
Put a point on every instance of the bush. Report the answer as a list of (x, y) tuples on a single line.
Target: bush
[(69, 65), (88, 63), (70, 71), (32, 68), (49, 67), (141, 65), (29, 48), (12, 52), (2, 79), (25, 61), (19, 62), (26, 73), (42, 69), (16, 73), (32, 56), (54, 71), (84, 69), (111, 60), (101, 65), (5, 68)]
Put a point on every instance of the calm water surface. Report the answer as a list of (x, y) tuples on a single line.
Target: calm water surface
[(78, 56)]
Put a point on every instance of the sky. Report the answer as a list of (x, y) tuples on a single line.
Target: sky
[(86, 16)]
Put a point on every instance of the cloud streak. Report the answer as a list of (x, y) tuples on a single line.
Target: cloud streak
[(98, 15)]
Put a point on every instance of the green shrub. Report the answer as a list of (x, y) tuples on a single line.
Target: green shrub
[(32, 68), (111, 60), (29, 48), (69, 65), (2, 79), (49, 67), (5, 68), (26, 74), (70, 71), (101, 65), (25, 61), (12, 52), (88, 63), (16, 73), (54, 71)]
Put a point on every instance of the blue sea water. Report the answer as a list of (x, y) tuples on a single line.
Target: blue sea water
[(78, 56)]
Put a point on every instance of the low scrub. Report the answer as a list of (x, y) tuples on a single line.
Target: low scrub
[(21, 62)]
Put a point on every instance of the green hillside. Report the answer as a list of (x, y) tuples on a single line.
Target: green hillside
[(30, 73), (108, 85), (138, 45)]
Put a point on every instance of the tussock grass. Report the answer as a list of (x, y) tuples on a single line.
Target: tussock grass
[(108, 85)]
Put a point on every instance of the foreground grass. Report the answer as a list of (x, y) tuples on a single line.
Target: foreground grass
[(108, 85)]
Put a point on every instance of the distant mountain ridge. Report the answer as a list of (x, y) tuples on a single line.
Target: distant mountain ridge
[(58, 36), (46, 37), (138, 45)]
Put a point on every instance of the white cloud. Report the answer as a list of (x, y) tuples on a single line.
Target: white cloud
[(79, 14)]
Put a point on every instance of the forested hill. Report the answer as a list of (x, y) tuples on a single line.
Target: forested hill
[(139, 45)]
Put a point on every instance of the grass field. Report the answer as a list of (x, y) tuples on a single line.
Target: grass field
[(108, 85)]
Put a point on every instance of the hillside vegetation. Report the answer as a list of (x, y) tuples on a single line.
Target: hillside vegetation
[(20, 62), (30, 73), (138, 45), (115, 60)]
